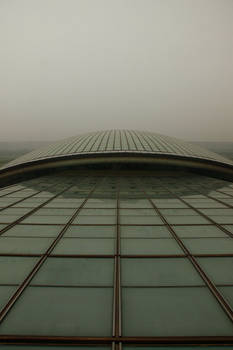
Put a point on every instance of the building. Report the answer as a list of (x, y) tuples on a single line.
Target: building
[(117, 239)]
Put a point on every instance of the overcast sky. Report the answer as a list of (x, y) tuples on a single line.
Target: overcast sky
[(73, 66)]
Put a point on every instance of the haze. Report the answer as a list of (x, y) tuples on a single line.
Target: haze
[(74, 66)]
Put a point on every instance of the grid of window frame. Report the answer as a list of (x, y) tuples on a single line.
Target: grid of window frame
[(142, 230)]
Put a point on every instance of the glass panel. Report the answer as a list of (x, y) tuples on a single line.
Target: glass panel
[(5, 294), (47, 211), (135, 203), (90, 231), (228, 294), (76, 271), (199, 231), (34, 230), (187, 311), (7, 219), (220, 270), (209, 245), (100, 203), (158, 272), (85, 246), (15, 211), (222, 219), (61, 311), (10, 245), (144, 231), (102, 219), (228, 228), (178, 212), (97, 212), (14, 269), (39, 219), (138, 212), (140, 220), (217, 211), (193, 219), (149, 246)]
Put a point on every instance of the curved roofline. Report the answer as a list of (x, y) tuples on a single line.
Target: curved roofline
[(198, 163)]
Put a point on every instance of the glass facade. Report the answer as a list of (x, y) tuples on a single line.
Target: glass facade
[(123, 261)]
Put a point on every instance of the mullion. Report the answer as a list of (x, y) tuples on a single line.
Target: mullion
[(211, 286)]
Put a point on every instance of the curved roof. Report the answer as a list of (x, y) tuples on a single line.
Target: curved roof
[(118, 143)]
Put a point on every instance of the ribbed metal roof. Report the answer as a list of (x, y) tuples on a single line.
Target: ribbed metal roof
[(118, 142)]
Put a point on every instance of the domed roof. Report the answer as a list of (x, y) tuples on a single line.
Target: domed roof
[(118, 144)]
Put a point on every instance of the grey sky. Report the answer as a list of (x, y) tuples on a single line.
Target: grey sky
[(73, 66)]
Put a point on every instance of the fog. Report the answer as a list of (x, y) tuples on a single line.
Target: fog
[(74, 66)]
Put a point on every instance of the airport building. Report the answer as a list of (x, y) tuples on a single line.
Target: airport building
[(117, 239)]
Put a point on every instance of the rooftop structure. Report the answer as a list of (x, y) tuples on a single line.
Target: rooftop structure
[(136, 254)]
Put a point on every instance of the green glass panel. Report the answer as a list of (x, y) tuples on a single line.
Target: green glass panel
[(228, 212), (228, 228), (222, 219), (139, 212), (55, 212), (192, 219), (227, 293), (209, 245), (34, 230), (5, 294), (90, 231), (7, 219), (12, 245), (135, 203), (2, 226), (158, 272), (204, 204), (76, 271), (61, 311), (101, 219), (199, 231), (15, 269), (85, 246), (182, 212), (140, 220), (97, 212), (15, 211), (149, 246), (187, 311), (100, 203), (39, 219), (220, 269), (144, 231)]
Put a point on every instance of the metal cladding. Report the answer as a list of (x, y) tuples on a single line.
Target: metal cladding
[(117, 145)]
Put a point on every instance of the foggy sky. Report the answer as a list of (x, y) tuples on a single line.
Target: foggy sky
[(73, 66)]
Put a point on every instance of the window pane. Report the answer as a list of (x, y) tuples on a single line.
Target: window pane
[(97, 212), (61, 311), (14, 269), (101, 219), (5, 294), (144, 231), (75, 271), (173, 312), (91, 231), (199, 231), (34, 230), (192, 219), (158, 272), (209, 245), (220, 270), (228, 294), (85, 246), (149, 246), (10, 245), (39, 219), (140, 220), (135, 203)]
